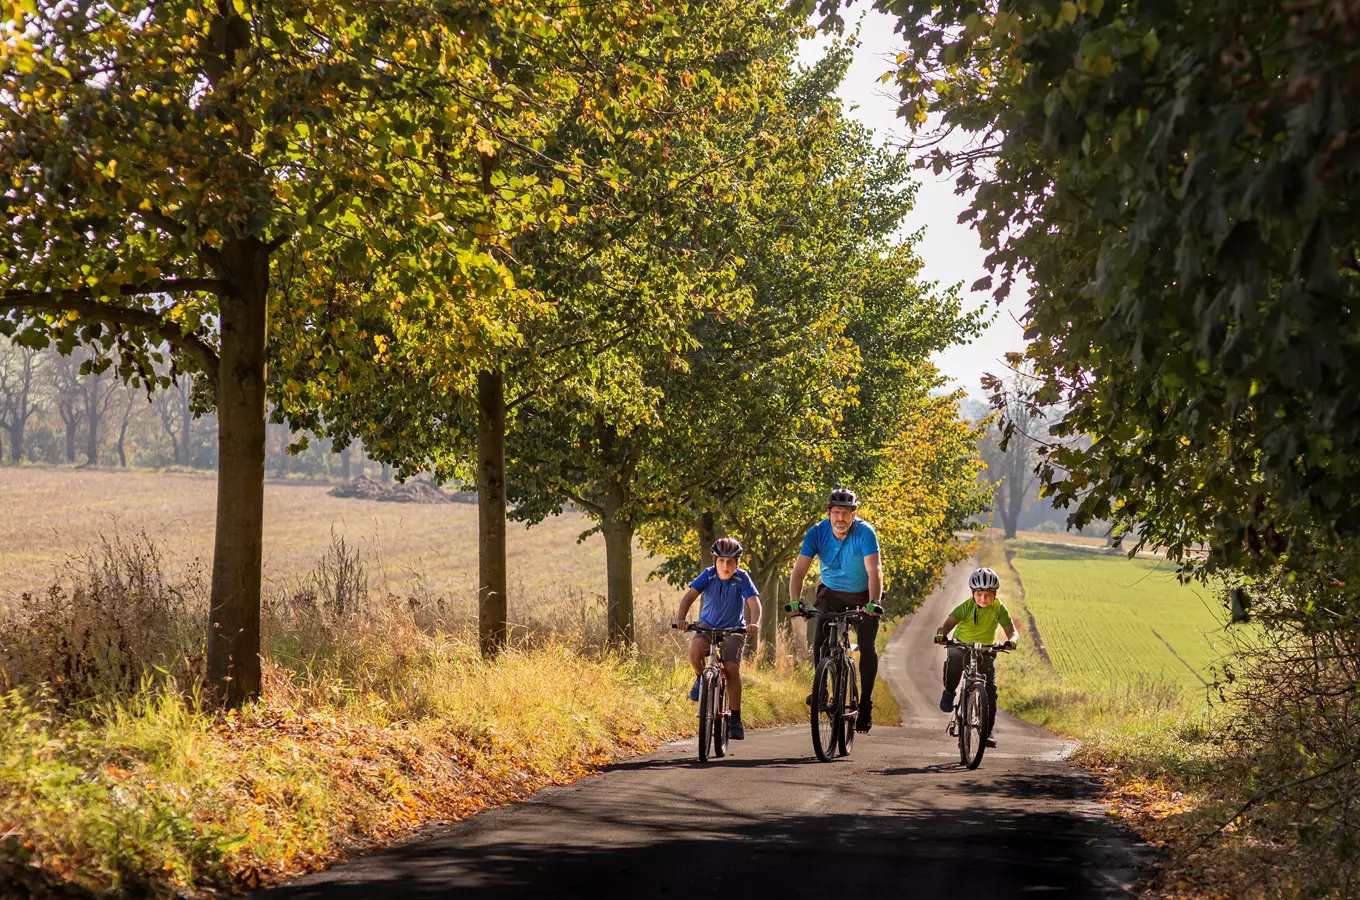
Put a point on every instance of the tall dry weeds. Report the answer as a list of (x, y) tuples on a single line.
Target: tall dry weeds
[(124, 622)]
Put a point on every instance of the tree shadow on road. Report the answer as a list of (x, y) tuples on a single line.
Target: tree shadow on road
[(730, 762), (918, 852)]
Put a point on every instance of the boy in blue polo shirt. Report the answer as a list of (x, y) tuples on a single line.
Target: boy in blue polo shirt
[(852, 577), (728, 593)]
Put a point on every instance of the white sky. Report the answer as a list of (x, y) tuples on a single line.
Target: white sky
[(951, 251)]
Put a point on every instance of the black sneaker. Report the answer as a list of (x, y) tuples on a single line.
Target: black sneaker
[(947, 701), (989, 742), (865, 720), (735, 730), (809, 699)]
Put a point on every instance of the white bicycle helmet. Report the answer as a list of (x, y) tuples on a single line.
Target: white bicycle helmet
[(984, 579)]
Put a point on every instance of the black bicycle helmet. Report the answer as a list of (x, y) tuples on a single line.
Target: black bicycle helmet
[(984, 579), (843, 497), (726, 546)]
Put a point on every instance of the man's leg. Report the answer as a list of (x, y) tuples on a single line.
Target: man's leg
[(866, 635)]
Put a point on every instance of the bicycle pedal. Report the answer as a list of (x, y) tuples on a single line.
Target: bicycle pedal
[(951, 730)]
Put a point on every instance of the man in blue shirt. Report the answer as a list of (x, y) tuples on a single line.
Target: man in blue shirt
[(852, 576), (728, 593)]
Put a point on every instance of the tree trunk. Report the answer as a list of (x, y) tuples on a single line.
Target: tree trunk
[(16, 441), (122, 438), (618, 552), (93, 417), (1005, 510), (71, 441), (492, 605), (386, 474), (234, 619), (707, 535), (185, 428), (344, 464), (769, 613)]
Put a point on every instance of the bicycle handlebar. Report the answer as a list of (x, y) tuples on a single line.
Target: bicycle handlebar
[(708, 629), (977, 645), (808, 612)]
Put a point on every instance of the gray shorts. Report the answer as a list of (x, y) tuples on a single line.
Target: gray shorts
[(732, 645)]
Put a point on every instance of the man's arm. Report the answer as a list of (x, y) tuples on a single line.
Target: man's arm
[(873, 564), (800, 570), (944, 629), (685, 602), (753, 614)]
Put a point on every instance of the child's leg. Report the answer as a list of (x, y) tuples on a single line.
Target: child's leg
[(733, 669), (953, 668), (698, 651), (988, 668), (732, 648)]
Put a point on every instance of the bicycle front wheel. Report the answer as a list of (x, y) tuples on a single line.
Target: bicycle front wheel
[(849, 693), (722, 722), (972, 741), (825, 710), (707, 697)]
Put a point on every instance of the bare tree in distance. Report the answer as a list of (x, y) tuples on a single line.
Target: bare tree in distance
[(1010, 447), (98, 391), (20, 369), (174, 408), (66, 392)]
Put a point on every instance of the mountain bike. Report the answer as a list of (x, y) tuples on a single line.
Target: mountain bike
[(835, 684), (972, 708), (714, 716)]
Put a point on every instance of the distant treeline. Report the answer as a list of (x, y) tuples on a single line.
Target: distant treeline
[(52, 412)]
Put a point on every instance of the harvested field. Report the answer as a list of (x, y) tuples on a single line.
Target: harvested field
[(425, 549)]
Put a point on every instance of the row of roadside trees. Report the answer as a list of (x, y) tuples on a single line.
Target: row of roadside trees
[(630, 259)]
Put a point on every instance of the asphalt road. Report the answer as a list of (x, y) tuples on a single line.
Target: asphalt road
[(899, 814)]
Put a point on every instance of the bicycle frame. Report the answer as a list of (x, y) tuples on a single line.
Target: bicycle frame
[(714, 712), (835, 684), (972, 683)]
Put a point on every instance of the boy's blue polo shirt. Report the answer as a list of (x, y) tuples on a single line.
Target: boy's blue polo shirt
[(842, 561), (724, 603)]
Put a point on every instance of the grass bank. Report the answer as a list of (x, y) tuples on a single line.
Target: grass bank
[(376, 719), (1170, 769)]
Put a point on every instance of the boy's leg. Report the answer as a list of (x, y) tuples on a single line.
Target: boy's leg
[(988, 668), (698, 653), (732, 647), (953, 668), (953, 671)]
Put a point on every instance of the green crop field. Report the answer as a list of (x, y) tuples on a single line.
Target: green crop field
[(1109, 621)]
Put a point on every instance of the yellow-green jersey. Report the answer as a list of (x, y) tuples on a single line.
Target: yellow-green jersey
[(979, 624)]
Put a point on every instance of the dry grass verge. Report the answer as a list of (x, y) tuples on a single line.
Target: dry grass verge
[(1177, 772), (377, 717)]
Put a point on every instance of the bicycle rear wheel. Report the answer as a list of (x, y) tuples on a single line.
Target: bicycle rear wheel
[(849, 705), (825, 710), (722, 722), (973, 742), (706, 701)]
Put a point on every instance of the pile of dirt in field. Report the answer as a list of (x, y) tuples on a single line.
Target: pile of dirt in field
[(364, 488)]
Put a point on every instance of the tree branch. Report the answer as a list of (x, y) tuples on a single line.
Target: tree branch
[(83, 304)]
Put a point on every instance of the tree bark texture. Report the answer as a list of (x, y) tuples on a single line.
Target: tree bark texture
[(707, 535), (618, 551), (234, 617), (492, 600), (769, 609)]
